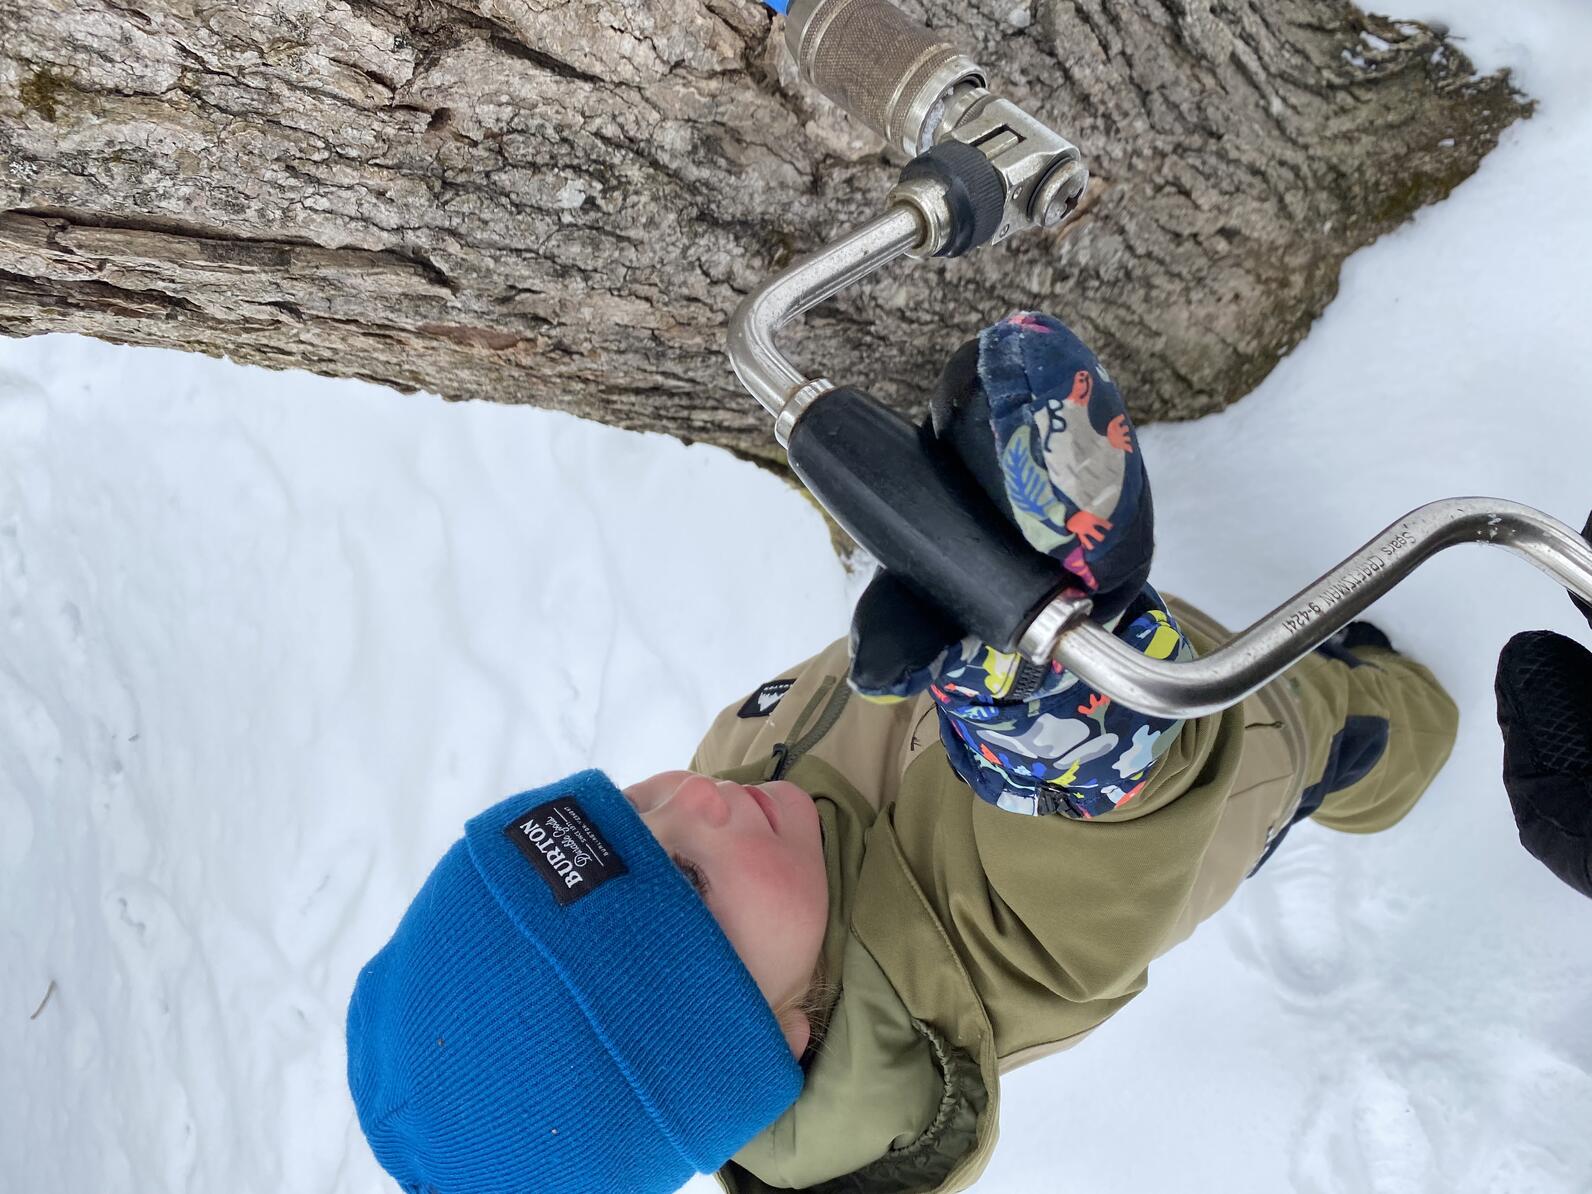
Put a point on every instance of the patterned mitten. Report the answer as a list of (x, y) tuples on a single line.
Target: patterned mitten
[(1040, 426)]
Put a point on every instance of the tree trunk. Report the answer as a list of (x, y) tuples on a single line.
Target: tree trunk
[(561, 204)]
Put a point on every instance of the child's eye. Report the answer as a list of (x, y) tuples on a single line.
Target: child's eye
[(692, 873)]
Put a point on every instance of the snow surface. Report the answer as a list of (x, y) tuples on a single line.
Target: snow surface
[(266, 640)]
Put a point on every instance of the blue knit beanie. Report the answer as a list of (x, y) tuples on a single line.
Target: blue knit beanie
[(559, 1012)]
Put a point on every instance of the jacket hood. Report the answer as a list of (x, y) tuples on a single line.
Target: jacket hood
[(888, 1103)]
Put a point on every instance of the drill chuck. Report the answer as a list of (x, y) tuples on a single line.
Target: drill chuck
[(880, 65)]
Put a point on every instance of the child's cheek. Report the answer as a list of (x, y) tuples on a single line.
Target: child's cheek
[(775, 873)]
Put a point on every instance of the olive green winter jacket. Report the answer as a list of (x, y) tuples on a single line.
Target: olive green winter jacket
[(965, 940)]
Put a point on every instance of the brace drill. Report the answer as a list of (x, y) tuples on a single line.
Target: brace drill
[(980, 169)]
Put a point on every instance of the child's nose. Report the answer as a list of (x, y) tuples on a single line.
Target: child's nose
[(702, 799)]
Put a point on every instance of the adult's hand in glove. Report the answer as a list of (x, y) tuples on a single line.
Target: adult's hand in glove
[(1029, 413), (1544, 690)]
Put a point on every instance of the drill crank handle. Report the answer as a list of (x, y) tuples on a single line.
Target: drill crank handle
[(906, 498), (891, 489)]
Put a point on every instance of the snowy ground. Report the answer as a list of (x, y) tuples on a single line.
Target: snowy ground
[(267, 640)]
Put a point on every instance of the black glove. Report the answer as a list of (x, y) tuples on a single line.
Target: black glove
[(1544, 689)]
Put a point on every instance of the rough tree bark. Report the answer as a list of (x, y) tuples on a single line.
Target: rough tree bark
[(529, 201)]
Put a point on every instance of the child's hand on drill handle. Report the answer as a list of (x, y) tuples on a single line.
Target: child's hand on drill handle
[(1544, 690), (1030, 413)]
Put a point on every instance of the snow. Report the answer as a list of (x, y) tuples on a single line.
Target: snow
[(266, 640)]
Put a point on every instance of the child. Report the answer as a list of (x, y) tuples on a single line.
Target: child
[(805, 963)]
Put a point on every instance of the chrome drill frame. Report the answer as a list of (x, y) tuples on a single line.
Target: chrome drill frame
[(1044, 180), (1311, 616)]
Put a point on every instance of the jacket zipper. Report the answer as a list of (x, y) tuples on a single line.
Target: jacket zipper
[(785, 756)]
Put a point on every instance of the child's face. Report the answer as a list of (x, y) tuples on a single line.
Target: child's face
[(756, 856)]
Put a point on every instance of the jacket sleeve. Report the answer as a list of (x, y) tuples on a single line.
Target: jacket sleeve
[(1052, 744), (1056, 920)]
